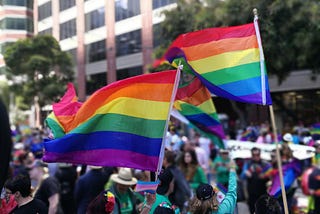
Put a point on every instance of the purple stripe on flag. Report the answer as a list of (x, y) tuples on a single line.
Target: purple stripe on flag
[(105, 157)]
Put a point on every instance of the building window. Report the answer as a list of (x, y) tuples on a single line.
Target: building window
[(95, 82), (157, 38), (129, 72), (46, 32), (160, 3), (126, 9), (22, 3), (45, 11), (65, 4), (95, 19), (17, 24), (68, 29), (73, 54), (128, 43), (96, 51)]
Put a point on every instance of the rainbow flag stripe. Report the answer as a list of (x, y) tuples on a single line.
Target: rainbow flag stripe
[(226, 60), (121, 124)]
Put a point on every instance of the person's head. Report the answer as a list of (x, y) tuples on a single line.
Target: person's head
[(205, 200), (123, 180), (190, 157), (256, 154), (266, 204), (19, 186), (166, 184), (169, 158), (287, 137), (103, 203), (37, 169), (164, 208), (224, 154)]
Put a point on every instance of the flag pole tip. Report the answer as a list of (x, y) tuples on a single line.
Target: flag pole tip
[(255, 11)]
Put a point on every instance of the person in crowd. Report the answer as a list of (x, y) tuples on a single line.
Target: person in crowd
[(5, 144), (20, 187), (126, 201), (164, 208), (102, 204), (191, 169), (206, 201), (164, 189), (67, 175), (254, 171), (314, 188), (182, 191), (88, 186), (173, 140), (221, 166), (48, 188), (267, 204)]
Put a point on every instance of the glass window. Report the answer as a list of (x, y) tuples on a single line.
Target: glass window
[(126, 9), (46, 32), (96, 51), (68, 29), (157, 38), (95, 82), (128, 43), (45, 11), (95, 19), (65, 4), (22, 3), (17, 24), (73, 53), (160, 3), (128, 72)]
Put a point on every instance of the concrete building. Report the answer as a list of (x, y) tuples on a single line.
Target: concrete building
[(16, 21)]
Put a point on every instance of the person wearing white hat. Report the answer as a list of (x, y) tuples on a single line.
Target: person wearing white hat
[(121, 188)]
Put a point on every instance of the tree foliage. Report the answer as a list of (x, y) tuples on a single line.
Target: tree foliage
[(37, 67), (290, 29)]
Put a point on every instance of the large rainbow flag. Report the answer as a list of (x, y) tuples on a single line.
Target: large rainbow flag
[(121, 124), (227, 60)]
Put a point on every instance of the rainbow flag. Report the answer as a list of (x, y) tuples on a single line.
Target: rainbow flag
[(194, 102), (315, 131), (146, 186), (63, 112), (227, 60), (290, 172), (121, 124)]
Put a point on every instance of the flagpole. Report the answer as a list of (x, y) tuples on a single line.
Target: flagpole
[(174, 91), (279, 162), (273, 123)]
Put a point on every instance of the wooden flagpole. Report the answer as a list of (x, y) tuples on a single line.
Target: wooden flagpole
[(279, 162), (273, 123)]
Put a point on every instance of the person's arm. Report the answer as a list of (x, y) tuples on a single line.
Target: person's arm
[(53, 203), (146, 207), (229, 202)]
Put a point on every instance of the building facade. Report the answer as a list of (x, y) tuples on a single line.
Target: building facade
[(16, 21)]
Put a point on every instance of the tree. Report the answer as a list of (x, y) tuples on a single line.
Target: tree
[(38, 68), (290, 29)]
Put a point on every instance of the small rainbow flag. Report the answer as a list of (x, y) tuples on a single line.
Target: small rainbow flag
[(146, 186), (193, 101), (227, 60), (121, 124), (315, 131)]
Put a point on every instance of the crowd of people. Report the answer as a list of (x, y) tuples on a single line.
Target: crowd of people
[(193, 168)]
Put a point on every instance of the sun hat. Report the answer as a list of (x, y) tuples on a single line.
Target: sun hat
[(124, 176), (287, 137), (204, 192), (165, 179)]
